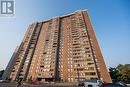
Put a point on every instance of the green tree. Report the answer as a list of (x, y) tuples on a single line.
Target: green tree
[(125, 72), (115, 74), (120, 73)]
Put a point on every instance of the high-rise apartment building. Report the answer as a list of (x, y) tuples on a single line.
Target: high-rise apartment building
[(63, 48)]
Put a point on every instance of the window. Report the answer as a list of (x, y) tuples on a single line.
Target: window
[(90, 63), (90, 68), (90, 73), (89, 55)]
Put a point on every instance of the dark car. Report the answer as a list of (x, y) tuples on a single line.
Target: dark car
[(111, 85)]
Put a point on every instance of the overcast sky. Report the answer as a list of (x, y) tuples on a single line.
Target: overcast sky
[(110, 20)]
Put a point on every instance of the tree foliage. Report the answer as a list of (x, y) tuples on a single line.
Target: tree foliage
[(120, 73)]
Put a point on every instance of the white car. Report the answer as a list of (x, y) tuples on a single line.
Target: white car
[(92, 83)]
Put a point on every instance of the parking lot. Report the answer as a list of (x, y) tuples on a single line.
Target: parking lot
[(39, 85)]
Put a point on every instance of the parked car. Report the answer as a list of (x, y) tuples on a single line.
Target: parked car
[(92, 83), (111, 85)]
